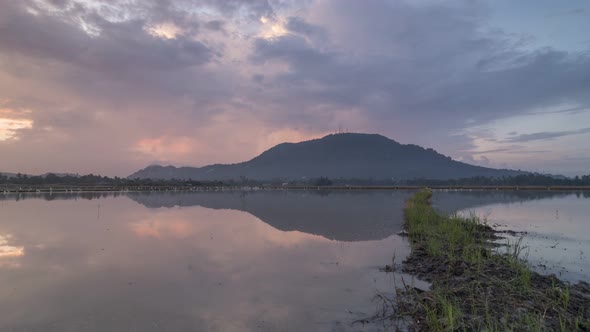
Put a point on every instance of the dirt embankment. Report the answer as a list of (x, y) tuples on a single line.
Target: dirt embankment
[(478, 286)]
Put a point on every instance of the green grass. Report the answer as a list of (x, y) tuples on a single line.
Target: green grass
[(453, 237), (478, 286)]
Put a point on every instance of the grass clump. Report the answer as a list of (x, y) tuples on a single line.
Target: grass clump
[(477, 285), (453, 237)]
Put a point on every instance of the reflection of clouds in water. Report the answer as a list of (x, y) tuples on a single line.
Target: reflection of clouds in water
[(336, 215), (563, 216), (8, 252), (189, 268), (199, 222), (159, 229), (556, 226)]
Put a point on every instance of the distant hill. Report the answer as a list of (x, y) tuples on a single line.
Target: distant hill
[(14, 175), (8, 175), (348, 156)]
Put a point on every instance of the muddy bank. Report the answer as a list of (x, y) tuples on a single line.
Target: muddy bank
[(477, 286)]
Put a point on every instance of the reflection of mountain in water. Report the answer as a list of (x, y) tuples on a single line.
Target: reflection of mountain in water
[(449, 201), (338, 215)]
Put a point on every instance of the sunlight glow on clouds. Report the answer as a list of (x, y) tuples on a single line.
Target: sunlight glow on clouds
[(272, 28), (10, 124), (165, 148), (197, 82), (203, 224), (165, 30), (286, 135)]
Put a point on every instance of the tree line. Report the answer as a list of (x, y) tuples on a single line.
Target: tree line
[(96, 180), (531, 179)]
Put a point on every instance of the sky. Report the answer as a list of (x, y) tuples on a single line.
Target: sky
[(109, 87)]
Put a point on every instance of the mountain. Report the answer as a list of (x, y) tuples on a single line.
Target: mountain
[(349, 156)]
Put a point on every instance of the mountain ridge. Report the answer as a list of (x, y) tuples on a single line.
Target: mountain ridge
[(348, 156)]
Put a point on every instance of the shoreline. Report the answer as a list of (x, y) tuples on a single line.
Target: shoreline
[(476, 285), (12, 189)]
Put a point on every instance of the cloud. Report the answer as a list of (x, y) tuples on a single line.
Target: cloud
[(571, 12), (570, 110), (546, 135), (422, 62), (215, 25), (520, 150), (113, 85), (119, 46), (299, 26)]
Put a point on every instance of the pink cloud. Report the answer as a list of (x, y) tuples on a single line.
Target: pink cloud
[(166, 148)]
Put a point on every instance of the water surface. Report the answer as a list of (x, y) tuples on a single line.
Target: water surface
[(217, 261), (557, 225), (239, 261)]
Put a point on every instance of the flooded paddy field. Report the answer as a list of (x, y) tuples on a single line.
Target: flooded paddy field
[(220, 261), (555, 225), (239, 261)]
